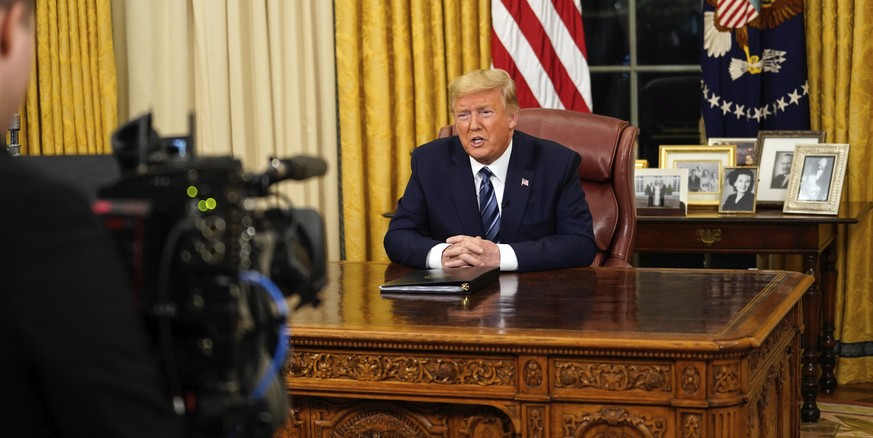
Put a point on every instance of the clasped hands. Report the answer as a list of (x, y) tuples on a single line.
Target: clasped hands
[(465, 251)]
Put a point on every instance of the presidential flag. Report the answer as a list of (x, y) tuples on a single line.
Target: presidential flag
[(753, 67), (542, 45)]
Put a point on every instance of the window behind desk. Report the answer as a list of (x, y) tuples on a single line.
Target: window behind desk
[(644, 57)]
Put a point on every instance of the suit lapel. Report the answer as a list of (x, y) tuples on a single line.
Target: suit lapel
[(463, 189), (519, 179)]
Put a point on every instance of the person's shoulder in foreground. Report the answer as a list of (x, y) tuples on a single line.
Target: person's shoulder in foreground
[(76, 356), (545, 222), (75, 360)]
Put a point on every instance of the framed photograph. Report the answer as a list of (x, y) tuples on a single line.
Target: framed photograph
[(746, 150), (738, 190), (705, 166), (641, 164), (818, 172), (775, 155), (661, 192)]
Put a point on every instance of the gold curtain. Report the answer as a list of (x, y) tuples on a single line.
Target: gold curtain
[(71, 104), (840, 53), (394, 61)]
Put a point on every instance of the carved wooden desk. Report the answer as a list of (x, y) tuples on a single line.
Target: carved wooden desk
[(770, 232), (569, 353)]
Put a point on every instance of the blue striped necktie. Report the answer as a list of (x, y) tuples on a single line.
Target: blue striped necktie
[(488, 207)]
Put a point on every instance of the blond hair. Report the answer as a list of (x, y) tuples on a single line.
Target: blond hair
[(484, 80)]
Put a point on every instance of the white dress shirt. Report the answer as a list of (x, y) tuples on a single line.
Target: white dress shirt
[(500, 167)]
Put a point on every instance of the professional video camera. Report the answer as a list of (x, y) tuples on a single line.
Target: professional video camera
[(210, 271)]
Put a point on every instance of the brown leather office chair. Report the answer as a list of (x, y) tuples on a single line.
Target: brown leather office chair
[(606, 173)]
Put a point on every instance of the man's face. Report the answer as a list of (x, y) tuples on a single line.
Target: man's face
[(822, 163), (785, 164), (483, 124)]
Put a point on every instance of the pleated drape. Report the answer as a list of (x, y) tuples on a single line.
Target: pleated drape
[(394, 60), (258, 75), (258, 94), (71, 104), (840, 53)]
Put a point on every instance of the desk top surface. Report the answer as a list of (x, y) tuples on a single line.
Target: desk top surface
[(700, 310)]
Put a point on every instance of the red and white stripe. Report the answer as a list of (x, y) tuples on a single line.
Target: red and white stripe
[(733, 14), (542, 45)]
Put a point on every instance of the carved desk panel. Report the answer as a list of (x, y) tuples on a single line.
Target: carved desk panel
[(570, 353)]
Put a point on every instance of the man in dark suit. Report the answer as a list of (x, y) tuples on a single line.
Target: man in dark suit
[(542, 220), (75, 359), (783, 165), (693, 181)]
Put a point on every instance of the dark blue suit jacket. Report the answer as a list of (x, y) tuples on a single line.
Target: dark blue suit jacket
[(545, 217)]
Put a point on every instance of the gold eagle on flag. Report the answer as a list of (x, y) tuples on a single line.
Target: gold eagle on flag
[(735, 16)]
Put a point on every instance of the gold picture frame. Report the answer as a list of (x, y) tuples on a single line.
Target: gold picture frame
[(775, 151), (709, 161), (818, 173)]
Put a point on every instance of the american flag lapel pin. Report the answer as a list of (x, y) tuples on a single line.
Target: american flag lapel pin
[(525, 182)]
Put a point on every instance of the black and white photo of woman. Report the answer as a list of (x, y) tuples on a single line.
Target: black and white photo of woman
[(742, 181)]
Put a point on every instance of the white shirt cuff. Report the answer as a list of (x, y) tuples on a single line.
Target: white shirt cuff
[(508, 260), (435, 256)]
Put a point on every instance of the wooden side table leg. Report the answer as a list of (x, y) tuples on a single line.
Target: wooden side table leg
[(809, 412), (827, 344)]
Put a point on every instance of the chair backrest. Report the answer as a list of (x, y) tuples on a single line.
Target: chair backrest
[(606, 173)]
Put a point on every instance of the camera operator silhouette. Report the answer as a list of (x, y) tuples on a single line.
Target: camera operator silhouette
[(75, 356)]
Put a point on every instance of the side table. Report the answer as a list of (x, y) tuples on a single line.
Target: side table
[(770, 231)]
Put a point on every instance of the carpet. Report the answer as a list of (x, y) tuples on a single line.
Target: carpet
[(840, 420)]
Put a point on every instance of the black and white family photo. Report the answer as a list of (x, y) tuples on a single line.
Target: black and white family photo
[(661, 191), (702, 175)]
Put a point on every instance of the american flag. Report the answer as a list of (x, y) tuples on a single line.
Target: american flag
[(735, 13), (541, 44)]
